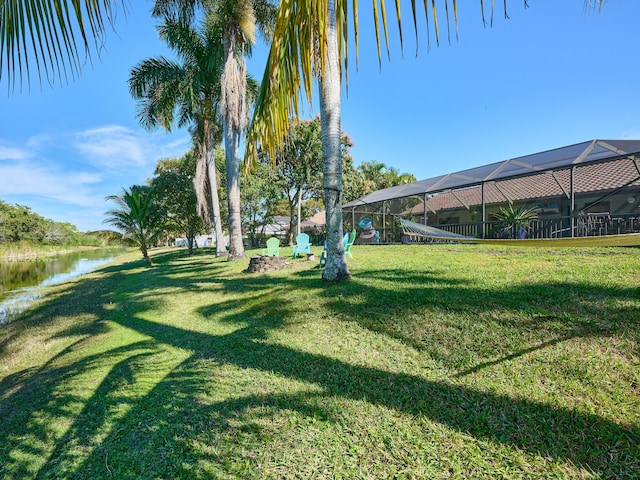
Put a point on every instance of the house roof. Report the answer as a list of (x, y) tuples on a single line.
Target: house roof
[(543, 166), (317, 220), (587, 178)]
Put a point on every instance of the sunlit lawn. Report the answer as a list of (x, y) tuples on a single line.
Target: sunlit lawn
[(444, 361)]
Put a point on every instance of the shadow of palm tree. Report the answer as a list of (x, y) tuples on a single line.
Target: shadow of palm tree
[(541, 429), (111, 422)]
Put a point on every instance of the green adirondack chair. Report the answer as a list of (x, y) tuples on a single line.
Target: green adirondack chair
[(345, 239), (303, 245), (349, 242), (273, 248)]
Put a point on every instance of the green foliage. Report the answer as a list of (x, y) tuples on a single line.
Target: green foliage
[(49, 34), (377, 175), (176, 197), (298, 175), (260, 197), (139, 217), (352, 185), (298, 171), (514, 218), (19, 224)]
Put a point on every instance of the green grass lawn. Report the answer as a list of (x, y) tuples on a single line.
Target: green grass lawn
[(443, 361)]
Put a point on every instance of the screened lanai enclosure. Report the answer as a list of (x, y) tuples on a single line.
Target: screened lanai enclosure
[(588, 189)]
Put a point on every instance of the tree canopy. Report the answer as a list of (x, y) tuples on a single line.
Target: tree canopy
[(175, 194), (18, 223)]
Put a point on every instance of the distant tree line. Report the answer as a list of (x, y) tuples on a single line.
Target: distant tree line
[(18, 223)]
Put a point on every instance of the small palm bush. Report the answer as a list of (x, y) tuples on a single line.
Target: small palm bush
[(512, 220)]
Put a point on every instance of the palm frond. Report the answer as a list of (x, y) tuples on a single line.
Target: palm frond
[(297, 53), (49, 33)]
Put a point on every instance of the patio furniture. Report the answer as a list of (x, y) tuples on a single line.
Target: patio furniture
[(303, 245), (273, 247)]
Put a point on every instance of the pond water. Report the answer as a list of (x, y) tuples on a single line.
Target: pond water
[(22, 281)]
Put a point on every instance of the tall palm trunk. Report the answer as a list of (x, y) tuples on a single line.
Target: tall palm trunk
[(336, 267), (216, 220), (234, 81), (209, 202)]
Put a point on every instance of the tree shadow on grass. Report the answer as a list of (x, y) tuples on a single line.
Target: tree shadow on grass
[(586, 440), (468, 328), (159, 443)]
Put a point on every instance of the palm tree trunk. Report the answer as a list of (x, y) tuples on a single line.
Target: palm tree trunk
[(234, 89), (209, 201), (145, 255), (231, 145), (216, 220), (336, 268), (292, 207)]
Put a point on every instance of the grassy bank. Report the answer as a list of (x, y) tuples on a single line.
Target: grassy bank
[(24, 250), (447, 361)]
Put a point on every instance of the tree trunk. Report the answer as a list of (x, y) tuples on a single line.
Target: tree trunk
[(336, 268), (231, 143), (234, 89), (292, 207), (145, 255), (206, 186), (299, 210), (216, 220)]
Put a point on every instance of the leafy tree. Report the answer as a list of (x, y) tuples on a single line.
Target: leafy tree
[(18, 223), (299, 168), (260, 196), (138, 217), (187, 93), (298, 171), (237, 20), (352, 182), (176, 196)]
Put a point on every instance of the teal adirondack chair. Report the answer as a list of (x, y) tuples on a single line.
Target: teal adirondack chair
[(349, 242), (303, 245), (273, 247)]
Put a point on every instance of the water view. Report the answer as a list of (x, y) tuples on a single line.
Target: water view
[(22, 281)]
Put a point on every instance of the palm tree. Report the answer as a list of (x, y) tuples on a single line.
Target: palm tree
[(138, 217), (516, 220), (187, 93), (238, 20), (311, 41), (377, 175)]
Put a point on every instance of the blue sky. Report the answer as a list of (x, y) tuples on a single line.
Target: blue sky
[(550, 75)]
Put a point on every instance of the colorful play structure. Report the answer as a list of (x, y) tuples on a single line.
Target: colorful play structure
[(368, 230)]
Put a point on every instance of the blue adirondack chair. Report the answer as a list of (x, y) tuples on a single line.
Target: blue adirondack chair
[(303, 245), (273, 247), (346, 238)]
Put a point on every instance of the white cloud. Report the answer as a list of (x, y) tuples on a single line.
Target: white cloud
[(38, 141), (29, 178), (176, 148), (66, 176), (119, 149), (113, 147), (11, 153)]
